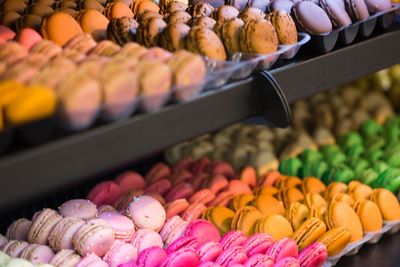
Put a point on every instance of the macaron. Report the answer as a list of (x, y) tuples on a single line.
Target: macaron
[(285, 247), (147, 213), (336, 13), (369, 214), (257, 244), (93, 22), (193, 211), (268, 205), (230, 33), (173, 35), (233, 239), (204, 41), (258, 37), (251, 13), (375, 6), (174, 228), (4, 258), (65, 258), (37, 254), (19, 229), (96, 236), (117, 10), (297, 213), (387, 203), (120, 253), (149, 32), (201, 9), (284, 26), (202, 22), (151, 257), (176, 207), (62, 234), (209, 251), (80, 208), (203, 231), (357, 9), (309, 232), (92, 260), (225, 12), (341, 214), (123, 227), (50, 28), (122, 30), (245, 219), (14, 247), (311, 18), (182, 242), (183, 257), (275, 225), (28, 37), (314, 255), (42, 226), (335, 240), (231, 256), (221, 217), (146, 238)]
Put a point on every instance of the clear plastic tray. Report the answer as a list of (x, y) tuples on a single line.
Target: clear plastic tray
[(369, 237), (346, 35)]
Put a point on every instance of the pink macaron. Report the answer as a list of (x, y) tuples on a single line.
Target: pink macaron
[(157, 172), (42, 226), (203, 231), (146, 238), (63, 232), (181, 190), (28, 37), (174, 228), (209, 251), (160, 187), (193, 211), (238, 187), (233, 239), (249, 176), (288, 262), (200, 165), (315, 255), (218, 183), (120, 253), (208, 264), (6, 33), (123, 227), (14, 247), (96, 236), (257, 244), (182, 176), (151, 257), (19, 229), (259, 260), (176, 207), (106, 192), (147, 213), (182, 242), (80, 208), (286, 247), (231, 256), (203, 196), (184, 164), (223, 168), (37, 254), (185, 257), (130, 180), (92, 260), (65, 258)]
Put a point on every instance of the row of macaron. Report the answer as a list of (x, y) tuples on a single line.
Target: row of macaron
[(307, 198), (338, 112), (34, 79), (197, 240), (370, 156)]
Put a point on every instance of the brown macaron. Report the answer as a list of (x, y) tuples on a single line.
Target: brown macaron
[(251, 13), (284, 26), (202, 22), (41, 10), (173, 36), (117, 10), (148, 14), (60, 5), (60, 28), (149, 32), (90, 4), (13, 5), (230, 33), (205, 42), (29, 21), (224, 13), (93, 22), (171, 6), (178, 17), (201, 9), (10, 19), (122, 30), (258, 37)]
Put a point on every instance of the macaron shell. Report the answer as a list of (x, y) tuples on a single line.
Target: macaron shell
[(51, 28), (203, 231), (286, 247), (387, 203), (284, 26), (310, 231), (268, 205), (222, 218), (369, 214), (275, 225), (335, 240), (147, 213), (151, 257), (245, 219), (341, 214), (311, 18), (260, 37), (297, 214)]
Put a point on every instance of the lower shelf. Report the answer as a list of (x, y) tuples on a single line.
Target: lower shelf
[(385, 253)]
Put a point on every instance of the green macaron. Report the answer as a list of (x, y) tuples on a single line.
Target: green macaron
[(290, 166)]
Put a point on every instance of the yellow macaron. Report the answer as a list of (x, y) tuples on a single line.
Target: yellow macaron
[(335, 240), (297, 213), (275, 225), (369, 214), (245, 219), (387, 203), (308, 232)]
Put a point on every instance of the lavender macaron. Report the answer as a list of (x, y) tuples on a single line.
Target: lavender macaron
[(62, 234), (42, 226), (19, 229), (310, 18), (336, 13), (65, 258), (37, 254), (147, 213), (357, 9), (81, 208), (14, 247)]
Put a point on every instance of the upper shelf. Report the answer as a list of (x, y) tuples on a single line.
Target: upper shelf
[(32, 172)]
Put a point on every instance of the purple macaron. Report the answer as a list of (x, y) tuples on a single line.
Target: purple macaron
[(80, 208), (37, 254), (19, 229), (311, 18), (357, 9), (336, 13)]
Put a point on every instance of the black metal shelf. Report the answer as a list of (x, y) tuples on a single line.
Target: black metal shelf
[(66, 161)]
